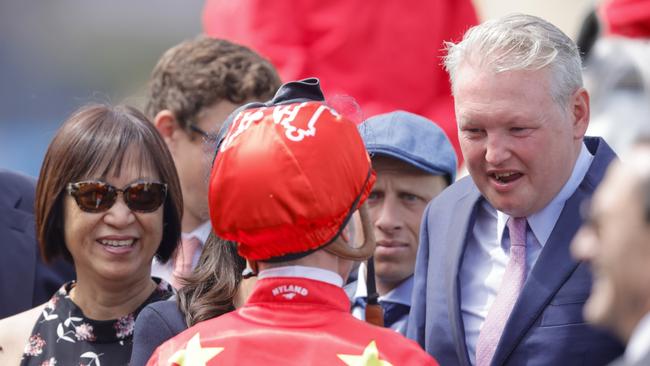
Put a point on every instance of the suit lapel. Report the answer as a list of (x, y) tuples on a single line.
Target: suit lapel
[(464, 216), (554, 265)]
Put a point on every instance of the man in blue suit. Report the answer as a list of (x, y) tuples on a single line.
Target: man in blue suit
[(25, 281), (495, 283)]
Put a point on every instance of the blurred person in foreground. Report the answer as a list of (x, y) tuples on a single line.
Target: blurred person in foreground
[(615, 242), (21, 260), (285, 182), (495, 282), (193, 88), (414, 162), (108, 200)]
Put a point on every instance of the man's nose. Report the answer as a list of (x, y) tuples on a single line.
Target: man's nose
[(388, 218), (497, 150)]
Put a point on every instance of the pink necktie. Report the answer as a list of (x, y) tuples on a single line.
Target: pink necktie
[(183, 259), (511, 284)]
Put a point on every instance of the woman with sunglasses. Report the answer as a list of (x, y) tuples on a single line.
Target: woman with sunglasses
[(108, 199)]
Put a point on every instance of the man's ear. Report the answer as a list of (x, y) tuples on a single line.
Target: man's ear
[(580, 113), (167, 126)]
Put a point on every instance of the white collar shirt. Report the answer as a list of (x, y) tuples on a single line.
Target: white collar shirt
[(639, 343), (312, 273)]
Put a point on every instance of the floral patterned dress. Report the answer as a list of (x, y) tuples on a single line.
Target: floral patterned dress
[(64, 336)]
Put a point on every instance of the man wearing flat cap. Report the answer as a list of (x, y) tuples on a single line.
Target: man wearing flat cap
[(414, 161), (286, 179)]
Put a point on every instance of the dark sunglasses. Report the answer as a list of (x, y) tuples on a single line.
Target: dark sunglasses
[(97, 196)]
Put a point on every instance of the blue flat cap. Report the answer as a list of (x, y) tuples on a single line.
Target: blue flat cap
[(412, 139)]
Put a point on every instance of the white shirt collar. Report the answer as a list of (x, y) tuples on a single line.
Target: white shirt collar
[(542, 222), (638, 346), (312, 273), (201, 232)]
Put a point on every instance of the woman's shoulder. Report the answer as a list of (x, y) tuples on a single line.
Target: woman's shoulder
[(156, 323), (168, 306), (162, 313), (14, 334), (162, 302)]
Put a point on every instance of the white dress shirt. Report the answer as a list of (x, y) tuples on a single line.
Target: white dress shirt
[(487, 253), (639, 344), (165, 270), (312, 273)]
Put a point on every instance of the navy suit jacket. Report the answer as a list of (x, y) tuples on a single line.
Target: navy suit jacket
[(25, 281), (546, 326), (155, 324)]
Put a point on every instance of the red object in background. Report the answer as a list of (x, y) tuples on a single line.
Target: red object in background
[(627, 18), (386, 56)]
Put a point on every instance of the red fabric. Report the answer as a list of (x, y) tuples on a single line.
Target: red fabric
[(286, 178), (387, 57), (293, 321), (628, 18)]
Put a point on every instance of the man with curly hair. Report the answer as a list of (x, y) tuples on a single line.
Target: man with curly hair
[(193, 88)]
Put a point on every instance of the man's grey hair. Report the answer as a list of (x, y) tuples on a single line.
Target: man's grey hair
[(519, 42)]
